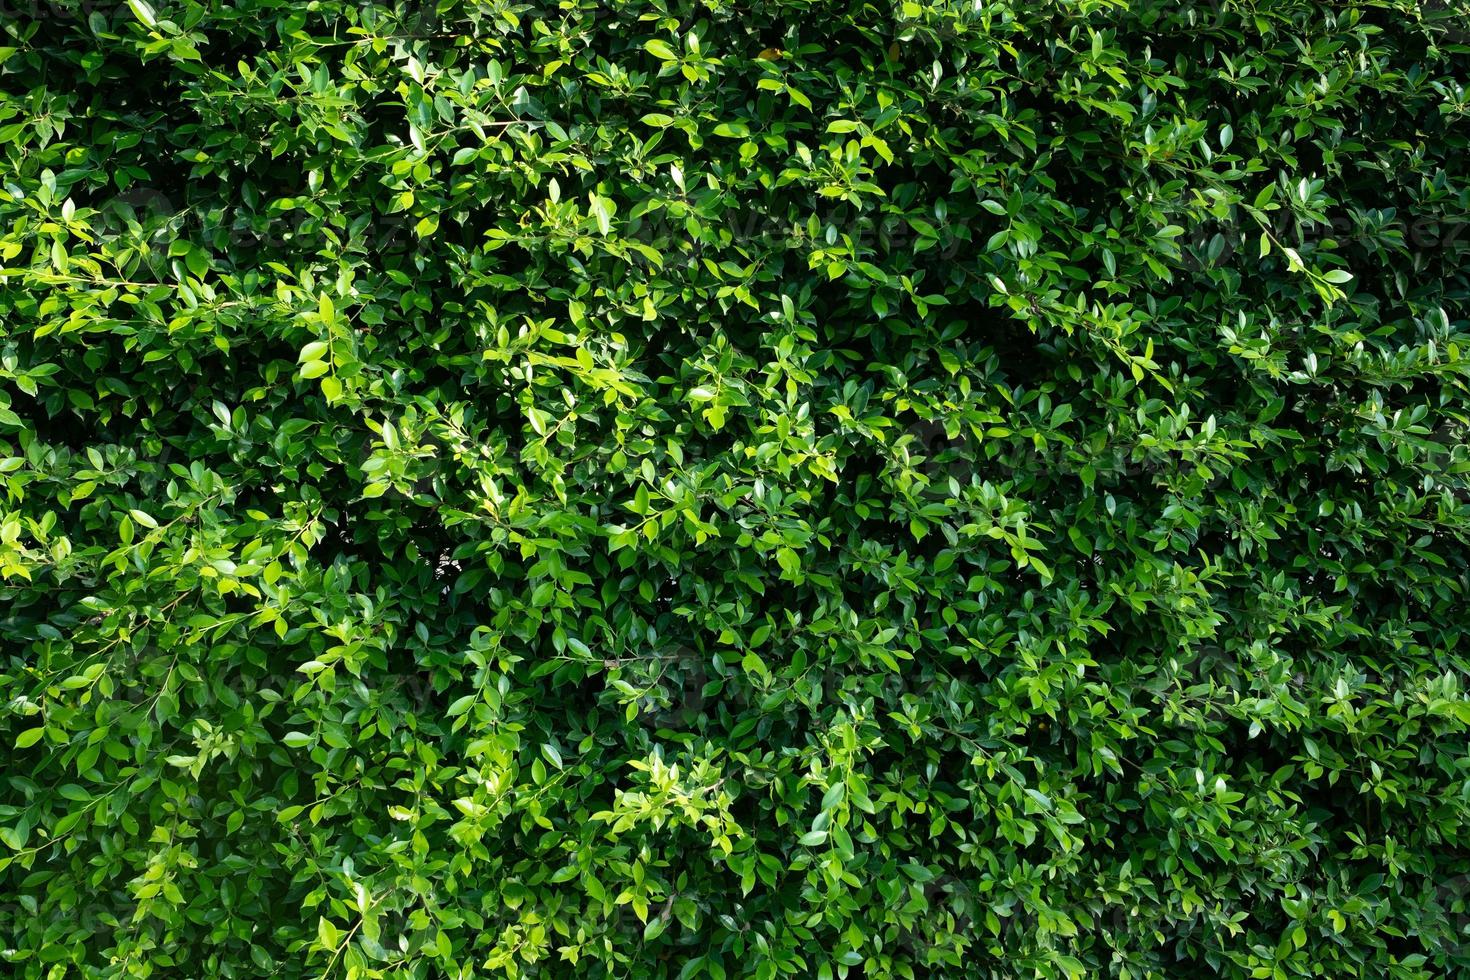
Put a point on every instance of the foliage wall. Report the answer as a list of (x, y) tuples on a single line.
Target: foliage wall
[(736, 488)]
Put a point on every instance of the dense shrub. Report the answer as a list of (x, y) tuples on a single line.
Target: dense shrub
[(734, 489)]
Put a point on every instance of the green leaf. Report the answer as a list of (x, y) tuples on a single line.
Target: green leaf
[(144, 12), (312, 351), (753, 664)]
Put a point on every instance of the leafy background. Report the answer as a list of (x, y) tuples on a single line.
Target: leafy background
[(734, 489)]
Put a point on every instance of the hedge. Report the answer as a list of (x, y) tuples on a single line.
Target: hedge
[(735, 488)]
